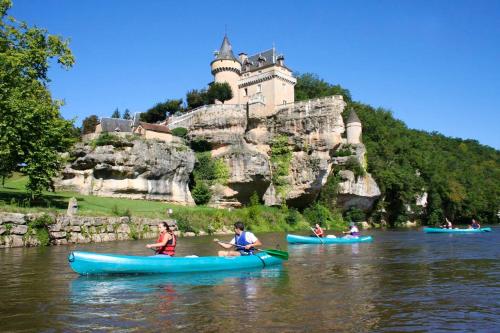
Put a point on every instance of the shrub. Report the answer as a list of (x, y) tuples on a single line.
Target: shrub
[(318, 213), (180, 132), (201, 193), (293, 217), (354, 165), (354, 215)]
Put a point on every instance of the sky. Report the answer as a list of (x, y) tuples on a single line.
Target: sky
[(434, 64)]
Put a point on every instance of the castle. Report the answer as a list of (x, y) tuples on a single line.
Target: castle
[(261, 79), (264, 83)]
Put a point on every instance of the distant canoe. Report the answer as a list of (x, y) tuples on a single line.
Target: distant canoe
[(86, 263), (296, 239), (452, 231)]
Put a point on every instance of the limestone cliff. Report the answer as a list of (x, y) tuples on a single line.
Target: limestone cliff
[(242, 138), (137, 169)]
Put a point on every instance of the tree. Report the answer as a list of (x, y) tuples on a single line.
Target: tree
[(116, 114), (311, 86), (126, 114), (219, 91), (160, 111), (32, 131), (89, 124), (196, 98)]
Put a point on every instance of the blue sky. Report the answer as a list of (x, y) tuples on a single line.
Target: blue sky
[(435, 64)]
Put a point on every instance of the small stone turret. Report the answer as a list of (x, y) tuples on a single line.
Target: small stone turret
[(353, 128), (226, 68)]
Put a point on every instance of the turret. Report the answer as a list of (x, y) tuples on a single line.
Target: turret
[(353, 128), (226, 68)]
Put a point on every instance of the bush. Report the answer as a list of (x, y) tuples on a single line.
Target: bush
[(40, 227), (180, 132), (354, 165), (354, 215), (318, 213), (201, 193), (293, 217)]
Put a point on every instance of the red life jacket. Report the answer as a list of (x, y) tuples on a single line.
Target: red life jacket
[(319, 232), (169, 248)]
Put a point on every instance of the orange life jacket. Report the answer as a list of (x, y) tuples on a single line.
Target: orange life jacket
[(169, 248)]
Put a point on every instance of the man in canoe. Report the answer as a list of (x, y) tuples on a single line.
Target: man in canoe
[(474, 225), (353, 231), (166, 242), (244, 242)]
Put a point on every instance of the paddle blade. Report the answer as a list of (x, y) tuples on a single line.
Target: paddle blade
[(277, 253)]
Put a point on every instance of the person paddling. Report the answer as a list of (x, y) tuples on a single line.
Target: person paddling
[(166, 242), (353, 231), (318, 231), (475, 225), (244, 242), (447, 224)]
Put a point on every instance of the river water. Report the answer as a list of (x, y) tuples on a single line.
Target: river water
[(405, 281)]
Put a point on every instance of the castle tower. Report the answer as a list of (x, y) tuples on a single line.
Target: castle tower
[(353, 128), (226, 68)]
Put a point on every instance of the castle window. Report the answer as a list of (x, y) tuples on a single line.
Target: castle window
[(246, 91), (284, 102), (259, 88)]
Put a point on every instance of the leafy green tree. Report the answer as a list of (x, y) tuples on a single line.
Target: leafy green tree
[(312, 86), (196, 98), (201, 193), (89, 124), (219, 91), (116, 114), (32, 131), (160, 111), (126, 114)]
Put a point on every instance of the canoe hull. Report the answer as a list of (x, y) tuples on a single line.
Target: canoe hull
[(296, 239), (88, 263), (453, 231)]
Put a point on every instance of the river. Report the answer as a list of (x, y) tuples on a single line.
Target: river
[(405, 281)]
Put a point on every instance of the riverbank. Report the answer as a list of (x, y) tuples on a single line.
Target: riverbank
[(24, 222)]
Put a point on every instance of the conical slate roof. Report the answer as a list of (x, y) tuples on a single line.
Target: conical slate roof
[(226, 51), (353, 117)]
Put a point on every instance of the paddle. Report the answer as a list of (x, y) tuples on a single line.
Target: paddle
[(272, 252), (314, 232)]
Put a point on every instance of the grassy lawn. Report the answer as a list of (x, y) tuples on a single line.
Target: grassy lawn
[(14, 198)]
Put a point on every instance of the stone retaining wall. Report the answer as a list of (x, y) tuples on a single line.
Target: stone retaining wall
[(21, 230)]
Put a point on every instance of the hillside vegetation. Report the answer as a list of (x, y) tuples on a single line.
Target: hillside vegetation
[(460, 177)]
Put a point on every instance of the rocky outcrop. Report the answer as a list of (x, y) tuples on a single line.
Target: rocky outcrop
[(243, 139), (360, 192), (141, 169)]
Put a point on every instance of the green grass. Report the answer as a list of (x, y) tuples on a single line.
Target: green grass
[(14, 198)]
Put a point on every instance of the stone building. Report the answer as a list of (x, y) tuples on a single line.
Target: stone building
[(353, 128), (153, 131), (261, 79)]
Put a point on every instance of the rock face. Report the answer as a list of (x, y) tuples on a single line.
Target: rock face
[(243, 141), (140, 170), (240, 137)]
